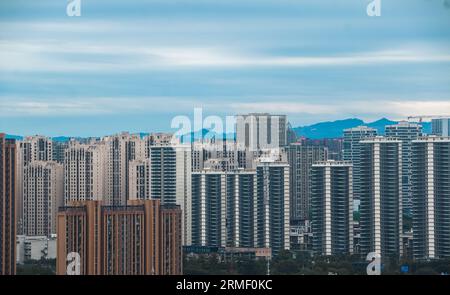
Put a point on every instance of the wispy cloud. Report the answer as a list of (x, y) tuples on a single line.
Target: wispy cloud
[(365, 109), (54, 57), (89, 106), (93, 106)]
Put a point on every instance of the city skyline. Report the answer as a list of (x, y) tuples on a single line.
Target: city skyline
[(213, 137), (135, 66)]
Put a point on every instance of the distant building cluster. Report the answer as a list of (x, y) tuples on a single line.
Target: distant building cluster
[(130, 204)]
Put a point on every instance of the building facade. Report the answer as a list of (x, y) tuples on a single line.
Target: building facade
[(42, 196), (405, 132), (140, 238), (223, 209), (431, 191), (8, 195), (139, 180), (352, 152), (301, 158), (170, 180), (271, 206), (84, 172), (332, 208), (441, 127), (381, 197)]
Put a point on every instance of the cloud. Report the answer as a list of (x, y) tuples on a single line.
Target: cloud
[(89, 106), (95, 106), (91, 57), (364, 109)]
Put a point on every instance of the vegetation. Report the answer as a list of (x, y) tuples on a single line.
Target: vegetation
[(37, 267), (302, 263)]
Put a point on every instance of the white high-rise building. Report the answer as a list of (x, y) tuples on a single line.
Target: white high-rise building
[(381, 196), (242, 208), (170, 181), (431, 197), (332, 207), (271, 206), (84, 172), (42, 196)]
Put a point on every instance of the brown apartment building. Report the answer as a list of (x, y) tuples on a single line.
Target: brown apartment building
[(142, 238), (8, 193)]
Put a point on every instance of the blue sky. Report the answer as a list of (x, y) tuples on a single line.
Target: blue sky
[(133, 65)]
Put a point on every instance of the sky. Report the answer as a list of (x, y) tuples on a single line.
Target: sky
[(134, 65)]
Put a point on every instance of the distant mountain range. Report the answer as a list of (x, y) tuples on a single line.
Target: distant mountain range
[(320, 130), (335, 129)]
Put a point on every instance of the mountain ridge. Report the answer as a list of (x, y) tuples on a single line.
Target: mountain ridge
[(335, 129)]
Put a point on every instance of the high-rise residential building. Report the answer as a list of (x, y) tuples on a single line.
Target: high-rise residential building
[(141, 238), (223, 208), (42, 196), (301, 158), (352, 151), (157, 139), (120, 150), (405, 132), (85, 169), (171, 240), (225, 155), (59, 149), (381, 197), (8, 195), (36, 148), (271, 206), (441, 127), (334, 146), (170, 180), (431, 197), (19, 182), (261, 131), (242, 208), (30, 149), (139, 180), (116, 171), (332, 207)]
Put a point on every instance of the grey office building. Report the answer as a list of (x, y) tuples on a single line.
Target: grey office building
[(431, 197), (332, 207), (381, 196)]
